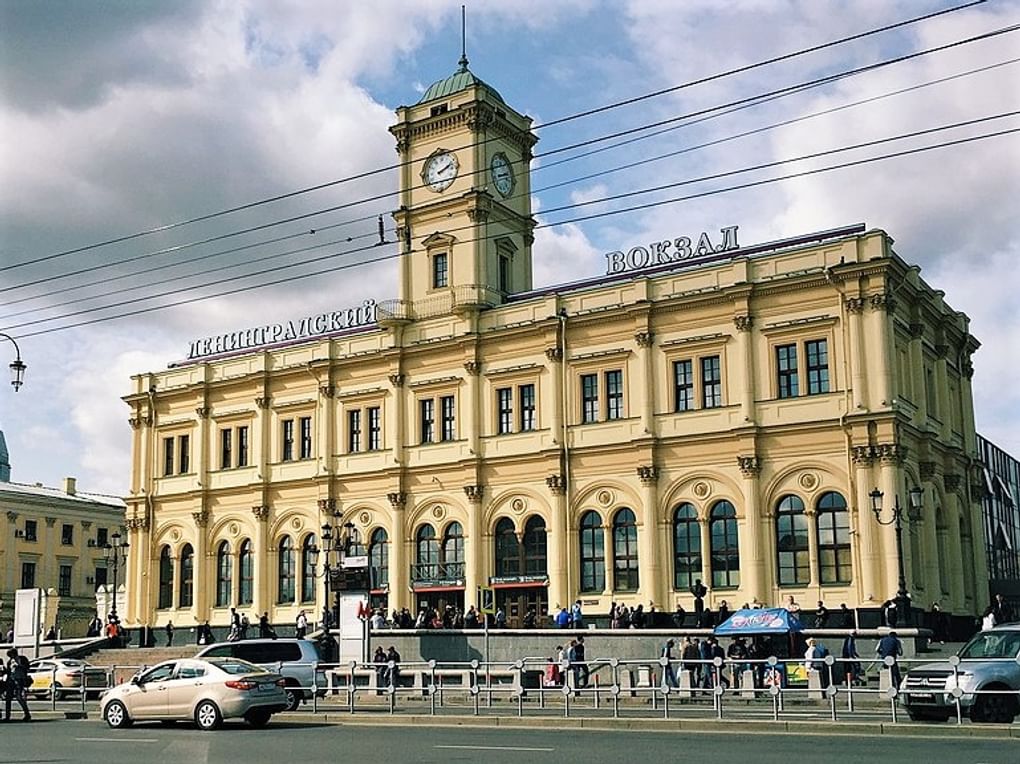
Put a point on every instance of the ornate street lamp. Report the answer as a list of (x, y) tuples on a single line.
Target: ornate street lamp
[(337, 542), (17, 366), (115, 553), (913, 513)]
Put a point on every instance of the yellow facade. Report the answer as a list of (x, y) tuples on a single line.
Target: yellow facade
[(663, 419)]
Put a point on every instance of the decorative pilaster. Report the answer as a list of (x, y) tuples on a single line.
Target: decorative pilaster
[(891, 453), (854, 305), (743, 323), (397, 499), (397, 380), (261, 512), (327, 391), (51, 521), (885, 302), (201, 518), (474, 493), (644, 339), (862, 455), (648, 475), (473, 368), (557, 484), (263, 402), (927, 470), (327, 506), (554, 354), (750, 466), (202, 412), (953, 482)]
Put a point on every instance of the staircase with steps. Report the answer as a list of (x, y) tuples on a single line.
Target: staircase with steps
[(126, 662)]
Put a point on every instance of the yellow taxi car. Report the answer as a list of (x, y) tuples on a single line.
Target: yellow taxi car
[(64, 677), (191, 689)]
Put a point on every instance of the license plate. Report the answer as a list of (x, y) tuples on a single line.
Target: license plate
[(915, 696), (267, 688)]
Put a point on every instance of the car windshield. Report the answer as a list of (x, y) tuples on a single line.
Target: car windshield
[(235, 666), (993, 644)]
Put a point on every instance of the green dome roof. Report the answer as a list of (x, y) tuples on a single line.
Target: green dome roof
[(459, 80)]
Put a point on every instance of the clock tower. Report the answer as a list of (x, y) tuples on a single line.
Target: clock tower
[(464, 221)]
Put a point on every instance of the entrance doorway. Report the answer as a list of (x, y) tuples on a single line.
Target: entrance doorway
[(516, 600)]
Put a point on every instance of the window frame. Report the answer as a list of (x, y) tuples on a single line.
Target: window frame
[(589, 382), (353, 430), (527, 395), (683, 386), (842, 551), (613, 379), (287, 440), (592, 553), (787, 374), (504, 410), (224, 575), (626, 560), (65, 575), (306, 441), (440, 270), (688, 557), (729, 573), (793, 563), (818, 377), (714, 382)]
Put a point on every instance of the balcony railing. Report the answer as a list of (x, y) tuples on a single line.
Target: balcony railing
[(438, 574), (442, 303)]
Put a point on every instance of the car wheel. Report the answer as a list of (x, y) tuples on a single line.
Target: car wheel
[(58, 693), (293, 698), (258, 717), (116, 715), (208, 716), (994, 707)]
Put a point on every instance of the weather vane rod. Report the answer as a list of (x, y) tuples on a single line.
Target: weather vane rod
[(463, 39)]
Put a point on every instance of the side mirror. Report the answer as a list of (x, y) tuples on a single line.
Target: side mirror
[(136, 680)]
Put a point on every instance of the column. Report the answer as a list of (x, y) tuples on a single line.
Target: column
[(752, 577), (706, 549), (812, 520), (891, 458), (474, 572), (928, 527), (858, 364), (396, 421), (745, 351), (917, 375), (261, 596), (261, 447), (649, 547), (45, 577), (555, 404), (557, 546), (399, 572), (203, 583), (203, 453), (942, 404), (977, 539), (953, 485), (882, 306), (326, 427), (473, 406), (646, 384), (10, 545), (869, 568)]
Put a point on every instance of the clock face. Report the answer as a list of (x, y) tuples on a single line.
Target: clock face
[(502, 174), (440, 170)]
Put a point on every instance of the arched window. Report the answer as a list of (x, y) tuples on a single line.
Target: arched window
[(453, 551), (426, 553), (379, 559), (187, 595), (686, 547), (625, 551), (224, 574), (593, 553), (535, 547), (725, 548), (307, 569), (246, 569), (285, 571), (166, 578), (508, 550), (833, 540), (792, 556)]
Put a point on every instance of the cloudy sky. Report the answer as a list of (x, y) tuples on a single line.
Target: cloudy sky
[(121, 116)]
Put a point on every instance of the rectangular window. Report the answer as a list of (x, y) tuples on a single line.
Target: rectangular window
[(786, 371), (168, 457), (504, 273), (66, 534), (817, 352), (446, 406), (31, 530), (101, 577), (306, 437), (711, 382), (589, 398), (184, 456), (440, 270), (64, 581), (428, 420), (374, 428), (226, 449), (929, 391), (683, 385), (505, 407), (354, 431), (242, 446), (288, 440), (28, 575), (614, 394), (102, 537), (527, 394)]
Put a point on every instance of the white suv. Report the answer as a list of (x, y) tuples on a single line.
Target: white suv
[(294, 659)]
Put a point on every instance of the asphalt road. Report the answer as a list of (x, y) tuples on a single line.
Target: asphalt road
[(83, 742)]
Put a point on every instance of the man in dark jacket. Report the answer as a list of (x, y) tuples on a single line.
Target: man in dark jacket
[(699, 590), (17, 681)]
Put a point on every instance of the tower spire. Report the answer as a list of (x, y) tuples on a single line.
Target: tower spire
[(463, 40)]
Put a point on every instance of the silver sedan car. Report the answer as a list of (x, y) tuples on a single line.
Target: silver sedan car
[(192, 689)]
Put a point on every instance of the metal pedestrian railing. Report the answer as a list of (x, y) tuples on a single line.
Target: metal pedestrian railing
[(656, 688)]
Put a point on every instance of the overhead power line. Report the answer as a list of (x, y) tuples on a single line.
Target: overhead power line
[(602, 214), (560, 120)]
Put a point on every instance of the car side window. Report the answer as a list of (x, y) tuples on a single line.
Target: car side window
[(160, 673), (190, 672), (221, 651), (252, 652)]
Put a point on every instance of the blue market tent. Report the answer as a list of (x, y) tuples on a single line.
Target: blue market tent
[(758, 621)]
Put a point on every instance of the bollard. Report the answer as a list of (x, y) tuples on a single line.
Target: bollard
[(596, 692), (831, 691), (774, 692), (954, 661), (53, 690), (665, 700), (315, 687), (747, 684), (615, 692), (432, 686), (685, 683), (350, 686), (850, 692), (566, 700), (814, 682)]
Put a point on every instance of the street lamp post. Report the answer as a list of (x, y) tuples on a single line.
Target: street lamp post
[(114, 554), (17, 366), (913, 512), (336, 544)]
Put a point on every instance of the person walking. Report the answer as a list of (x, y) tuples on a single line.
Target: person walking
[(393, 664), (668, 672), (301, 625), (169, 629), (17, 681), (821, 615), (851, 659), (577, 660), (576, 616), (890, 646)]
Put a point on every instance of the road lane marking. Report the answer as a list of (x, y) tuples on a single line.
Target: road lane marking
[(495, 748), (114, 740)]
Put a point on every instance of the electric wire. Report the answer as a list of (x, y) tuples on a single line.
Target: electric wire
[(561, 120), (551, 224)]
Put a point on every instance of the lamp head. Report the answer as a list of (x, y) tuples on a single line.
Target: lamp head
[(17, 373), (876, 502)]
